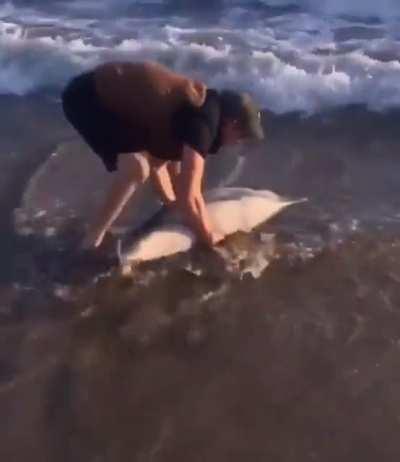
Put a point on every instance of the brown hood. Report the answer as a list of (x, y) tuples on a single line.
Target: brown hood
[(146, 95)]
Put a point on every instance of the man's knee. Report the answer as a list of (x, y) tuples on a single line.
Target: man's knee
[(133, 167)]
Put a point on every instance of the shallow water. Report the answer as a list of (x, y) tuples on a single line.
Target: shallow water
[(202, 357), (302, 55)]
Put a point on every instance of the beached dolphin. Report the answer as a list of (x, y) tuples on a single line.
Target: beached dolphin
[(230, 210)]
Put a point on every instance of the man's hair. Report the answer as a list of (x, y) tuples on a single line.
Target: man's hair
[(241, 107)]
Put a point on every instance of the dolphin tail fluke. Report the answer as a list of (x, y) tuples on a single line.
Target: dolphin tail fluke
[(125, 267), (119, 252)]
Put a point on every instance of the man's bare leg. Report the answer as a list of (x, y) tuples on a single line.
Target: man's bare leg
[(132, 171)]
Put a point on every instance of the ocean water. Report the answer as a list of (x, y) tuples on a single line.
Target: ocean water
[(300, 57), (283, 345)]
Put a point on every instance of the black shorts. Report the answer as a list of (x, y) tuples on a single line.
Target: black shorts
[(105, 133)]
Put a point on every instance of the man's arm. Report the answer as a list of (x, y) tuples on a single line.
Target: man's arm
[(174, 169), (133, 169), (190, 196), (162, 182)]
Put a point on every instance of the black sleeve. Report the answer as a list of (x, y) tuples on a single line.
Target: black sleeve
[(191, 128)]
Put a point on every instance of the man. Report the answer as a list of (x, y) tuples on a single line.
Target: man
[(144, 120)]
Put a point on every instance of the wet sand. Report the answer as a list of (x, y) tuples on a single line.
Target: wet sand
[(301, 364)]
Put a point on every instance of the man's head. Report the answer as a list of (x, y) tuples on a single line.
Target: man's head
[(241, 118)]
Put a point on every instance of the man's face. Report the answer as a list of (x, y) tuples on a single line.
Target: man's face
[(231, 132)]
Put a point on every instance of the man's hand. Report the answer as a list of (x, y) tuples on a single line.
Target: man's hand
[(190, 197), (216, 238), (170, 203), (92, 240), (161, 179)]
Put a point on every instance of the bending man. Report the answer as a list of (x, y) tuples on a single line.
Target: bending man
[(144, 120)]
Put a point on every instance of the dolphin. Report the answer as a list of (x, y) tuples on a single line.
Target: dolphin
[(231, 209)]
